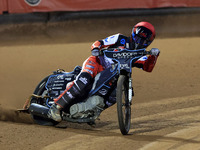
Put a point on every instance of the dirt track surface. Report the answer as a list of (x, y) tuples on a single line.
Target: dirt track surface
[(165, 112)]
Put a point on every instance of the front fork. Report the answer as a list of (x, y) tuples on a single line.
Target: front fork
[(130, 89)]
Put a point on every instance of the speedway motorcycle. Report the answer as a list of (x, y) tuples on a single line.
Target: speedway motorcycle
[(118, 77)]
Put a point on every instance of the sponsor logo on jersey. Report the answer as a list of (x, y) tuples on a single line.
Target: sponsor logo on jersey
[(123, 41), (89, 66), (91, 62), (84, 80), (70, 95)]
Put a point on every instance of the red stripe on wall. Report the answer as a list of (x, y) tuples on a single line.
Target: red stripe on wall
[(21, 6), (3, 6)]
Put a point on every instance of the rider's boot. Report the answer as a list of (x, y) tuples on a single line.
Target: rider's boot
[(54, 113), (73, 89)]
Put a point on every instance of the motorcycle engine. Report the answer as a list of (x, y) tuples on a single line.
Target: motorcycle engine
[(92, 106)]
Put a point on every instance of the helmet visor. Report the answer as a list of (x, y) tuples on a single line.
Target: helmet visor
[(142, 37)]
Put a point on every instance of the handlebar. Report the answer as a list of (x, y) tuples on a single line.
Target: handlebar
[(147, 52), (116, 53), (125, 57), (120, 49)]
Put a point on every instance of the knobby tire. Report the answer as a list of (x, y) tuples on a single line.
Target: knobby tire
[(123, 105)]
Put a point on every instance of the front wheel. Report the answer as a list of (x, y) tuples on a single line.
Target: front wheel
[(123, 105)]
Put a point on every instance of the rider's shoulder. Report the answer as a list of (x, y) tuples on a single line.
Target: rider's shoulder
[(114, 35), (111, 39), (118, 35), (122, 36)]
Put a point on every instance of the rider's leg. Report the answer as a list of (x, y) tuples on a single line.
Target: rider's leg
[(73, 89), (89, 70)]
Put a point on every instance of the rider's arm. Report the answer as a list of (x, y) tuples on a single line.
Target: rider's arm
[(146, 63), (109, 41)]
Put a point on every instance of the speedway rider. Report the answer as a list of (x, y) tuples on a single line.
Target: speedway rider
[(143, 33)]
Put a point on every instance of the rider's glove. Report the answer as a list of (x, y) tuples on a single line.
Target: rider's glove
[(95, 52), (154, 51)]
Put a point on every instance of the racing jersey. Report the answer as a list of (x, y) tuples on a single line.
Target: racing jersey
[(146, 63)]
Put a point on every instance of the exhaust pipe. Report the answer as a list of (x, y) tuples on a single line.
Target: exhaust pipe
[(39, 110)]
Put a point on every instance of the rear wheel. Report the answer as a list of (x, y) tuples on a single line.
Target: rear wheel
[(123, 105), (40, 91)]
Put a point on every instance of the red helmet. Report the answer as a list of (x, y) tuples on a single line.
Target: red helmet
[(143, 34)]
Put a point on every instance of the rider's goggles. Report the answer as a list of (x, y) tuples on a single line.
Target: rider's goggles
[(142, 36)]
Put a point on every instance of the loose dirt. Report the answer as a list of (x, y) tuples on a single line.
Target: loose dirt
[(166, 107)]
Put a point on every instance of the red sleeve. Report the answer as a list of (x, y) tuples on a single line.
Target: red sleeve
[(148, 64), (99, 45), (96, 44)]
